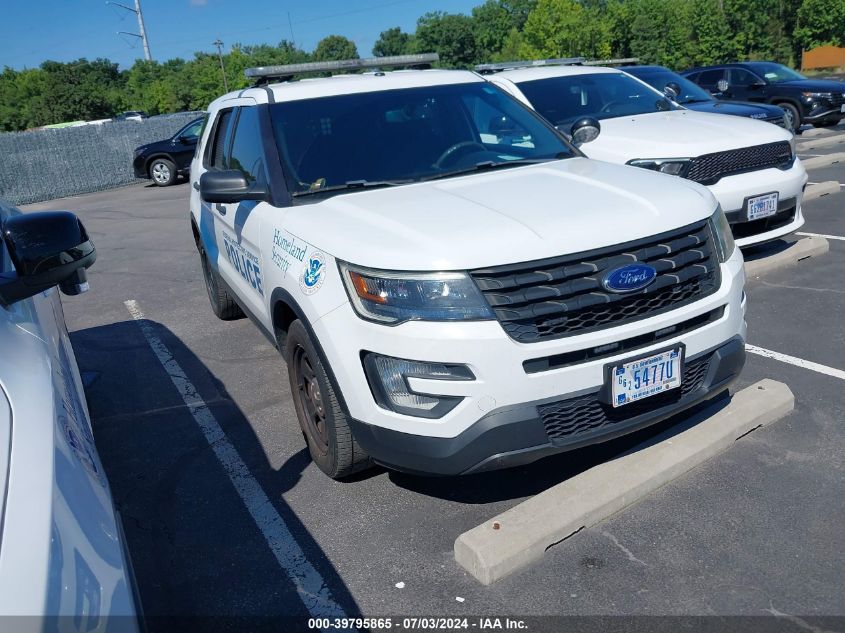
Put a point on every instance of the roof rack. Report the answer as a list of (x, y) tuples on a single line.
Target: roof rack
[(486, 69), (494, 68), (264, 74)]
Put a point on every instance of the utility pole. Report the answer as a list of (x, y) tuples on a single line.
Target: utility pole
[(219, 46), (141, 29)]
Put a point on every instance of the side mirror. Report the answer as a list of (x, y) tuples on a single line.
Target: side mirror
[(672, 90), (229, 186), (187, 140), (46, 249), (722, 85), (584, 130)]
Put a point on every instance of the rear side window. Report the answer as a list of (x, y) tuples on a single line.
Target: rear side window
[(710, 77), (247, 153), (217, 156)]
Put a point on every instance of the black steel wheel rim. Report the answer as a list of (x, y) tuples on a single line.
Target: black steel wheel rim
[(310, 398)]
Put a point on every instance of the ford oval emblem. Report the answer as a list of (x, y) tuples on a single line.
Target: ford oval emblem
[(629, 278)]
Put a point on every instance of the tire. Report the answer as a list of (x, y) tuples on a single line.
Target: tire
[(162, 172), (224, 307), (324, 425), (793, 116)]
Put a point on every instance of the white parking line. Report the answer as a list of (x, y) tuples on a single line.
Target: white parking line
[(310, 585), (827, 237), (798, 362)]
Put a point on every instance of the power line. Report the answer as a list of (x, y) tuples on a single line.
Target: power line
[(142, 35)]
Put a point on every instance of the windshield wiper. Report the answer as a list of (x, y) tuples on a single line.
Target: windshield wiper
[(489, 165), (351, 185)]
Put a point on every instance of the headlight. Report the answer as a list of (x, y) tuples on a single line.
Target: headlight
[(671, 166), (394, 297), (723, 235), (817, 95)]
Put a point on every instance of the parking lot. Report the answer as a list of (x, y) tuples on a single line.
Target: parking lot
[(241, 524)]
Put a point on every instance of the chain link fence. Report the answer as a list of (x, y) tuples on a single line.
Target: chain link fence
[(46, 164)]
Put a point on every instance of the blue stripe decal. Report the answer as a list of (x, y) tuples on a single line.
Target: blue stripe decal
[(209, 243)]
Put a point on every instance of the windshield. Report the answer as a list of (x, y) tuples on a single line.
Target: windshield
[(564, 100), (405, 135), (776, 73), (690, 93)]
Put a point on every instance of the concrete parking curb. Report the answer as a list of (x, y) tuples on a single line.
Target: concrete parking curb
[(821, 189), (763, 262), (823, 161), (821, 141), (521, 535)]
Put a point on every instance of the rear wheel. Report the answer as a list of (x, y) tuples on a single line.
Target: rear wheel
[(163, 172), (793, 117), (222, 304), (321, 418)]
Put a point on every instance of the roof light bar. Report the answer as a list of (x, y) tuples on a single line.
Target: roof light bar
[(622, 61), (566, 61), (263, 73)]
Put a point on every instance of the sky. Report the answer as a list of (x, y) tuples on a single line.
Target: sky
[(33, 31)]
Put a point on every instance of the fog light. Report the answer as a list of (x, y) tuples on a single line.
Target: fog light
[(388, 378)]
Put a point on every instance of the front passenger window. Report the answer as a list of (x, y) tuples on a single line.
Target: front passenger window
[(247, 154)]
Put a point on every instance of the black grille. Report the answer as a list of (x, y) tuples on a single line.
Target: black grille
[(709, 168), (837, 99), (563, 296), (569, 419)]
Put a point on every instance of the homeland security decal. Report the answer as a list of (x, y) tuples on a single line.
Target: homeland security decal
[(285, 248), (313, 273), (244, 262)]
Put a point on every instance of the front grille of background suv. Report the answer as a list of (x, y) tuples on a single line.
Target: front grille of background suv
[(564, 296), (710, 168)]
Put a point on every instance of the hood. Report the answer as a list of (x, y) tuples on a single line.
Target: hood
[(737, 108), (157, 145), (501, 217), (678, 134), (816, 85)]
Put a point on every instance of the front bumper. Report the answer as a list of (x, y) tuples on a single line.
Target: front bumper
[(824, 112), (507, 376), (520, 435), (732, 192), (139, 166)]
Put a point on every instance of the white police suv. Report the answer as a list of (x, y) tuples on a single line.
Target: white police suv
[(750, 166), (450, 297)]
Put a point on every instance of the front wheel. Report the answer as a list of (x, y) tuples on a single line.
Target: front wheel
[(163, 172), (321, 418), (791, 115)]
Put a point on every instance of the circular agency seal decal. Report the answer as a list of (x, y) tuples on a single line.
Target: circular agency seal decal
[(313, 273)]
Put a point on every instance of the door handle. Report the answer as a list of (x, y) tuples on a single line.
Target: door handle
[(221, 209), (196, 185)]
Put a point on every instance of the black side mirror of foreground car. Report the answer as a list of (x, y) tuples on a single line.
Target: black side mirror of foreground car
[(229, 185), (672, 90), (47, 249), (584, 130)]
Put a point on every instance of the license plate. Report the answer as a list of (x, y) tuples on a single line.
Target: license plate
[(646, 377), (762, 206)]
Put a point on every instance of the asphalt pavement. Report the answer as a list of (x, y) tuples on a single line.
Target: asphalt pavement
[(755, 531)]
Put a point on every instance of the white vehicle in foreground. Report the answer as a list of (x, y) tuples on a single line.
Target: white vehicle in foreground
[(448, 299), (63, 563), (750, 166)]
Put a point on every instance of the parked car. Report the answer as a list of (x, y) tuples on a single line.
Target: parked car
[(693, 97), (455, 287), (817, 101), (164, 161), (750, 166), (131, 115), (62, 551)]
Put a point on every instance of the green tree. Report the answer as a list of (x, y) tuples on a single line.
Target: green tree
[(451, 36), (334, 47), (661, 32), (819, 23), (712, 38), (393, 42), (565, 28), (494, 21)]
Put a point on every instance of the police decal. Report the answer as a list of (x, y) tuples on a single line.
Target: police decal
[(313, 273), (245, 262)]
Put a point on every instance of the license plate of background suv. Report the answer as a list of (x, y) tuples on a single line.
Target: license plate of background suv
[(762, 206), (646, 377)]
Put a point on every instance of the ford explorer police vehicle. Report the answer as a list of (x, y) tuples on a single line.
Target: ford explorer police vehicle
[(750, 167), (453, 286)]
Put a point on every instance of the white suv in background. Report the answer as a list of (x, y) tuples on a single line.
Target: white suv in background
[(450, 299), (750, 166)]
